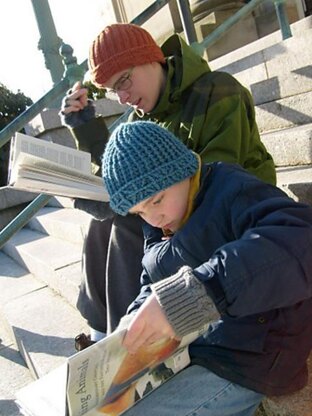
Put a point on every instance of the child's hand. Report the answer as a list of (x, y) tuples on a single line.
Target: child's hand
[(148, 325)]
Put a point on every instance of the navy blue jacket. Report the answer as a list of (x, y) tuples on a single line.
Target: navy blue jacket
[(251, 246)]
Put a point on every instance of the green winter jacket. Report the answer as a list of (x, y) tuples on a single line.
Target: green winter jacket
[(210, 111)]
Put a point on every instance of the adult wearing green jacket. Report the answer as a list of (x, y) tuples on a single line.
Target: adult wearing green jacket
[(210, 111)]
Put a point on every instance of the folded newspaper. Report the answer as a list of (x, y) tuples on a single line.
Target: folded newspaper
[(40, 166), (104, 379)]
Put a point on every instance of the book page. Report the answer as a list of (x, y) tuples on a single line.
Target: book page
[(62, 155), (29, 166), (35, 174), (45, 396), (12, 157)]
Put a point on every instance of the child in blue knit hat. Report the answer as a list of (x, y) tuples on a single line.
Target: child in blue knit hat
[(214, 234)]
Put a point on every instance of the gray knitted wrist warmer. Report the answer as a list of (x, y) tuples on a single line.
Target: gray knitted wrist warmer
[(185, 302)]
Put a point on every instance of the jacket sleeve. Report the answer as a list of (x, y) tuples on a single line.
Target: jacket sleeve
[(180, 291), (92, 137), (229, 132), (266, 265)]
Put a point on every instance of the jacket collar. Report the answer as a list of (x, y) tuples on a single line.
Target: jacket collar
[(205, 176)]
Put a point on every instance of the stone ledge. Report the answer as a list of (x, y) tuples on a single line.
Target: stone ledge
[(10, 197)]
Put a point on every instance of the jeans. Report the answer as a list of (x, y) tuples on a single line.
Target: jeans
[(197, 391)]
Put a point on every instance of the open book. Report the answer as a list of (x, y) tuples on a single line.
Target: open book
[(44, 167), (104, 379)]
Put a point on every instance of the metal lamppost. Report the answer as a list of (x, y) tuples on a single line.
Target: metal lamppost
[(49, 42)]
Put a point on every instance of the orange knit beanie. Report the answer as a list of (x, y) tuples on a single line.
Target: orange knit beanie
[(118, 47)]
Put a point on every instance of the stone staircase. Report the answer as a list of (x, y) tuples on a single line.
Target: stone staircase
[(40, 266), (39, 280), (279, 75)]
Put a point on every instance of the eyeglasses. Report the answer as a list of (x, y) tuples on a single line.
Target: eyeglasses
[(122, 84)]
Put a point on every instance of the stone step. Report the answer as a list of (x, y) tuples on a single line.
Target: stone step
[(274, 64), (296, 181), (285, 113), (278, 76), (43, 323), (55, 262), (290, 146), (66, 224), (287, 84), (252, 54)]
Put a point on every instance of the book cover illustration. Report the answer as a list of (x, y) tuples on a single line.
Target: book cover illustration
[(119, 379), (104, 379)]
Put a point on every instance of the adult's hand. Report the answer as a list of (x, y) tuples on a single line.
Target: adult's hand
[(76, 108), (75, 100)]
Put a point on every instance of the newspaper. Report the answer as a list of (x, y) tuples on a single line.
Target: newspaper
[(104, 379), (45, 167)]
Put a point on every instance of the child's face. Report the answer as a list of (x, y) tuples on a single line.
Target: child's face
[(167, 208), (143, 90)]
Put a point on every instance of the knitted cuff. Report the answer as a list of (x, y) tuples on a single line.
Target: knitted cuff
[(185, 302)]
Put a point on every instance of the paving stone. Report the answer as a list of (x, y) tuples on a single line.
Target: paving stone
[(44, 325), (14, 372), (15, 281)]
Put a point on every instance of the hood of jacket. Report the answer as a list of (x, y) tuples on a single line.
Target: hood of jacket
[(185, 66)]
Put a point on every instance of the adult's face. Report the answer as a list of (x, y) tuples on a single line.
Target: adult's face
[(139, 86)]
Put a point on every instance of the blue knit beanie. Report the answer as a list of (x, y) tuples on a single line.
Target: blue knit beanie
[(141, 159)]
